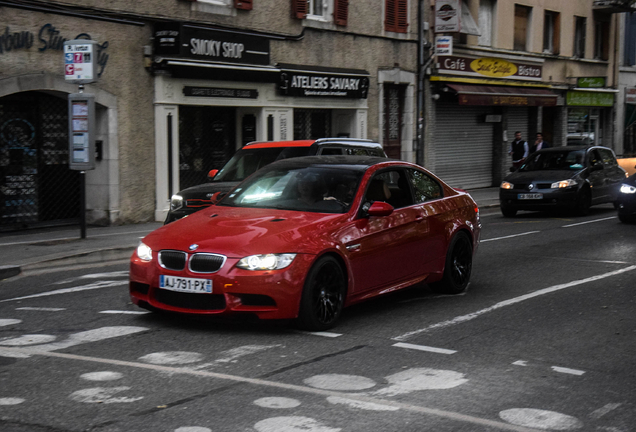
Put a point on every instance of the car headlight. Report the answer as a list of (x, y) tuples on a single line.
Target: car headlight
[(266, 261), (176, 202), (144, 252), (627, 189), (506, 185), (564, 184)]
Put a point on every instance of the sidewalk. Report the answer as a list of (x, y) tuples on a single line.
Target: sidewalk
[(62, 246)]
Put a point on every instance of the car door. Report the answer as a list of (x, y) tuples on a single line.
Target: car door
[(387, 249), (614, 174), (597, 177)]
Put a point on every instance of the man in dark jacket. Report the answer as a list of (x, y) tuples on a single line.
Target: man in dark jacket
[(518, 150), (539, 143)]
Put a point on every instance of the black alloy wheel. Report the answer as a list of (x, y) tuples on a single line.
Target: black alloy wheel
[(458, 267), (323, 295)]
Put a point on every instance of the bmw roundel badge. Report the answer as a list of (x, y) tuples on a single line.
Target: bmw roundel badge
[(193, 247)]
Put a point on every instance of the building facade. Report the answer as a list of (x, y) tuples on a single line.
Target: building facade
[(183, 84), (529, 66)]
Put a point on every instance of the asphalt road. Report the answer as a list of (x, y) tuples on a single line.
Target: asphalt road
[(543, 339)]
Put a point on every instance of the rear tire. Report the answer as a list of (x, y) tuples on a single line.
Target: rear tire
[(508, 212), (458, 266), (323, 295)]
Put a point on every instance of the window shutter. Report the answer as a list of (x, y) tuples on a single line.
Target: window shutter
[(396, 16), (299, 9), (243, 4), (341, 12)]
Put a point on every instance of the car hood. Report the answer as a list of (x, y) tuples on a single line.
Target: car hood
[(206, 190), (239, 232), (544, 176)]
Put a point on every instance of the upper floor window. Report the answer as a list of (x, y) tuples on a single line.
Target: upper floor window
[(523, 19), (579, 36), (396, 15), (601, 37), (218, 6), (551, 31), (629, 56), (321, 10), (486, 21)]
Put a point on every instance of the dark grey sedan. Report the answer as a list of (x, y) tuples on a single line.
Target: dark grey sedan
[(562, 178)]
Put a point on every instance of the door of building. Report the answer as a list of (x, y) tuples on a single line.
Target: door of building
[(207, 140), (37, 187)]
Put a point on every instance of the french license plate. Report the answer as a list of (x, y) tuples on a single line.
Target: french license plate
[(182, 284), (528, 196)]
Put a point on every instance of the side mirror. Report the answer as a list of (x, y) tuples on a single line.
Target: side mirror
[(216, 197), (212, 173), (380, 208)]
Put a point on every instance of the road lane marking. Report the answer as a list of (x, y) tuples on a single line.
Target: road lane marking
[(323, 334), (41, 309), (510, 236), (589, 222), (451, 415), (597, 414), (568, 370), (123, 312), (96, 285), (469, 317), (424, 348)]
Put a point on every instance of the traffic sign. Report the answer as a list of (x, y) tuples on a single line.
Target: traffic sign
[(80, 61)]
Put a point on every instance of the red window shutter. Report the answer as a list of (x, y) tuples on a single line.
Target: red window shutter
[(299, 9), (243, 4), (341, 12), (396, 16)]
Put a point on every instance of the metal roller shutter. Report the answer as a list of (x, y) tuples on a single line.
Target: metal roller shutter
[(463, 146), (518, 121)]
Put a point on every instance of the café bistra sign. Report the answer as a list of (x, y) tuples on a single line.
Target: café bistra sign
[(489, 67)]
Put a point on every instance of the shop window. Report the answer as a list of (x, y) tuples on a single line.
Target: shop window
[(393, 119), (312, 123), (579, 36), (523, 18), (585, 126), (601, 38), (551, 32), (396, 15), (487, 21)]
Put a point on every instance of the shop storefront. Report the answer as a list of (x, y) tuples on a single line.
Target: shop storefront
[(479, 104), (37, 186), (216, 91), (589, 116)]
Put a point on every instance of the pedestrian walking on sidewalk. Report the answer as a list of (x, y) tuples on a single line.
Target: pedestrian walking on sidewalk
[(518, 150)]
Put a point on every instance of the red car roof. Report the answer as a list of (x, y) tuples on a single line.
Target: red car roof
[(272, 144)]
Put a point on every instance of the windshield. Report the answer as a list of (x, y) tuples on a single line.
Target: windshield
[(312, 189), (561, 160), (246, 161)]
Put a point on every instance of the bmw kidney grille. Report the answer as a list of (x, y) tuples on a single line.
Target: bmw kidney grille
[(199, 262)]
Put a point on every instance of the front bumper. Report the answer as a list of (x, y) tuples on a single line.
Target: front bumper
[(552, 199), (267, 294), (626, 204)]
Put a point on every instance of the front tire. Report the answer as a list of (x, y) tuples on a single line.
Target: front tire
[(628, 219), (323, 295), (458, 266), (508, 212), (583, 202)]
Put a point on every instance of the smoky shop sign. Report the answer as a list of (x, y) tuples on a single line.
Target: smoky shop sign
[(323, 85)]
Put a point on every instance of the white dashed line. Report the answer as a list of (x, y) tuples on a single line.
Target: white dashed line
[(464, 318), (96, 285), (597, 414), (520, 363), (588, 222), (43, 309), (424, 348), (510, 236), (323, 334), (123, 312), (568, 370)]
